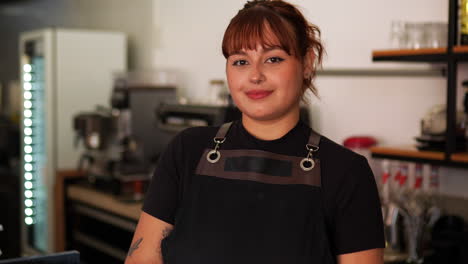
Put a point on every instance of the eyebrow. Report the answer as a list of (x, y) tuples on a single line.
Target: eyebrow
[(239, 52), (267, 49), (272, 48)]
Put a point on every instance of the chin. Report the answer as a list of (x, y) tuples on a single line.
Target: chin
[(264, 110), (262, 115)]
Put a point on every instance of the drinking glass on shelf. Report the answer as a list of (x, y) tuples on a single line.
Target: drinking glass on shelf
[(417, 38), (436, 34), (398, 36)]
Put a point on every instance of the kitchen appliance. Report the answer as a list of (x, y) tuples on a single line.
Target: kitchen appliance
[(433, 129), (173, 118), (143, 102), (97, 130), (121, 143), (62, 71)]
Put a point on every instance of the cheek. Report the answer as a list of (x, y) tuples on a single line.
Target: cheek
[(233, 80), (298, 79), (230, 82), (290, 80)]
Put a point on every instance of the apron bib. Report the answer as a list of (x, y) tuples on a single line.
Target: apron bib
[(251, 206)]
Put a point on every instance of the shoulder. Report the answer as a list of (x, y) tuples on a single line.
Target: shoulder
[(199, 131), (191, 142), (351, 200), (341, 166), (332, 152), (197, 135)]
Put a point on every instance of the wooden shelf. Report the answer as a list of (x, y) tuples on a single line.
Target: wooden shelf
[(411, 55), (460, 53), (411, 153), (460, 157), (407, 152), (408, 52), (460, 49)]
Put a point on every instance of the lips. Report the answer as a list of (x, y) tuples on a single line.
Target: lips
[(258, 94)]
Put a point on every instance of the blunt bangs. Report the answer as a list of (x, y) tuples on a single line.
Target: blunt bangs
[(259, 26)]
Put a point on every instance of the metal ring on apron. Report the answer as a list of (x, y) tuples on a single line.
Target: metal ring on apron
[(211, 153), (215, 151), (308, 163)]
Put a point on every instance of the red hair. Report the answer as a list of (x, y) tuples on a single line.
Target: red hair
[(291, 32)]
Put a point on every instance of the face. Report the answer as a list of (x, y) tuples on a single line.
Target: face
[(265, 83)]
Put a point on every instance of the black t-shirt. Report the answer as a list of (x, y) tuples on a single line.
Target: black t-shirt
[(349, 200)]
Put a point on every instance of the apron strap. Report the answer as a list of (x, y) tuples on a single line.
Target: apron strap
[(308, 163), (223, 130), (314, 138), (214, 155)]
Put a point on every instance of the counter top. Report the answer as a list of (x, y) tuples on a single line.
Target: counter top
[(104, 201)]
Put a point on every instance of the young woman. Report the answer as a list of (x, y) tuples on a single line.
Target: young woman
[(266, 188)]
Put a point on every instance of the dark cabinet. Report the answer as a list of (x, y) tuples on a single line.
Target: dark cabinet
[(10, 222), (100, 235)]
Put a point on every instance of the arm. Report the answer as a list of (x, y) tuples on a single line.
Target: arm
[(354, 215), (371, 256), (146, 243)]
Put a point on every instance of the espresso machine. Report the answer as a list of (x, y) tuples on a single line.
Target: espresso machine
[(111, 158), (120, 143)]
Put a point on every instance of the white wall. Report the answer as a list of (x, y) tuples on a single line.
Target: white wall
[(131, 17), (189, 33), (188, 37)]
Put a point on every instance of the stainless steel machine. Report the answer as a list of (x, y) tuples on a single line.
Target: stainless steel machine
[(121, 142)]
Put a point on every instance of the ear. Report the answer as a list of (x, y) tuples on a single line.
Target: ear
[(308, 64)]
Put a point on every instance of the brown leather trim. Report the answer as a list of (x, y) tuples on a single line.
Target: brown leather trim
[(298, 175), (314, 138), (223, 130)]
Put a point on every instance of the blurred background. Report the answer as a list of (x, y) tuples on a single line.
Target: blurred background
[(91, 92)]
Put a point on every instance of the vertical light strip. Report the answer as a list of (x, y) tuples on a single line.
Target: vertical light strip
[(28, 135)]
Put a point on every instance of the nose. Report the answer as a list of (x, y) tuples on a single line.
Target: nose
[(256, 75)]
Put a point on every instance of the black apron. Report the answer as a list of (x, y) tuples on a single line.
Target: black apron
[(251, 206)]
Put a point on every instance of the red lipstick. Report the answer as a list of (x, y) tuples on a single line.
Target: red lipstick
[(258, 94)]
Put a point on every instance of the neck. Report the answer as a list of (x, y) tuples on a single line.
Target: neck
[(270, 129)]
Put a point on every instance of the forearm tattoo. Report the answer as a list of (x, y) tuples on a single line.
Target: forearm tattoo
[(134, 246)]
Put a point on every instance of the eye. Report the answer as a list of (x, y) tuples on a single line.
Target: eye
[(274, 60), (240, 63)]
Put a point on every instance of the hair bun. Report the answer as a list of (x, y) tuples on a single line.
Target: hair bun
[(253, 3)]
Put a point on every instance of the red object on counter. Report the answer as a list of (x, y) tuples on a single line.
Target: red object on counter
[(385, 177), (138, 187), (360, 142), (418, 183)]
